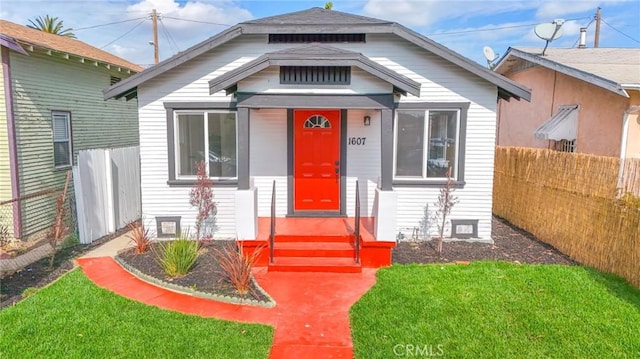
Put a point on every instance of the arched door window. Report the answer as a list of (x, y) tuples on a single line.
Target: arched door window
[(317, 121)]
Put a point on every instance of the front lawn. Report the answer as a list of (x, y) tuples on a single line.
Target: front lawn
[(497, 310), (75, 319)]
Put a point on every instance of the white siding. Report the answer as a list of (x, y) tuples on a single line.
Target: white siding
[(441, 82), (269, 158), (363, 161)]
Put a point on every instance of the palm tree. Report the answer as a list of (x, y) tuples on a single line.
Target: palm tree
[(51, 25)]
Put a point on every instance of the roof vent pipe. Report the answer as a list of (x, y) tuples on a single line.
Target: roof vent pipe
[(583, 38)]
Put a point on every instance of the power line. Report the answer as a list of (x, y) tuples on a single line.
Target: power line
[(125, 34), (197, 21), (170, 40), (620, 31), (111, 23), (494, 28)]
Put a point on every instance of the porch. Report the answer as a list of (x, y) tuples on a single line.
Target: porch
[(318, 245)]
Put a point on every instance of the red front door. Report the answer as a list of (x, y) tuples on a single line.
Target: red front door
[(316, 156)]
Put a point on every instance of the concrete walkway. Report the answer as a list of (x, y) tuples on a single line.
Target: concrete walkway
[(311, 316)]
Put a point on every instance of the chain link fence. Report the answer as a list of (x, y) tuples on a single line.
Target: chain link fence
[(31, 217)]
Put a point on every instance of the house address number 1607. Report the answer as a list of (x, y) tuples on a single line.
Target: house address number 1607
[(357, 141)]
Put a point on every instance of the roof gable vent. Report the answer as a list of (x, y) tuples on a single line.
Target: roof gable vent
[(309, 38)]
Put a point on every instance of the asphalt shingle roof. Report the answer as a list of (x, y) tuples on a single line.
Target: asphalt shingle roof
[(619, 65), (62, 44)]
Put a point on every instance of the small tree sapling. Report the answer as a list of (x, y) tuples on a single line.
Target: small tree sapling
[(201, 197), (446, 201)]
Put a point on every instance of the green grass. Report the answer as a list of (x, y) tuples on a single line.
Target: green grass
[(75, 319), (497, 310)]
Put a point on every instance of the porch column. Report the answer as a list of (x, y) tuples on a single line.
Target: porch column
[(386, 147), (386, 200), (243, 148), (247, 193)]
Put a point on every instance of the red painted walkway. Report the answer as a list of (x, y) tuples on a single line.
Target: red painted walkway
[(311, 316)]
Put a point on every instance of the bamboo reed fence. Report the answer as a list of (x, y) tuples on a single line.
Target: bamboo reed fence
[(572, 202)]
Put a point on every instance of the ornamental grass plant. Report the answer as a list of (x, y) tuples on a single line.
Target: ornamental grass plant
[(177, 257)]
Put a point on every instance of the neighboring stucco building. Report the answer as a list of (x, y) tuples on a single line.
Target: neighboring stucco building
[(316, 100), (583, 100), (51, 107)]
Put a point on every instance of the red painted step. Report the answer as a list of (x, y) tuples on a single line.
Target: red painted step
[(313, 249), (314, 264), (313, 238)]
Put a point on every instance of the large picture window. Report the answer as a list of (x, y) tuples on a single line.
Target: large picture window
[(206, 136), (427, 144), (61, 126)]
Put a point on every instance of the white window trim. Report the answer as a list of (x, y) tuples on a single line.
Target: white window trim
[(425, 152), (176, 139), (69, 139)]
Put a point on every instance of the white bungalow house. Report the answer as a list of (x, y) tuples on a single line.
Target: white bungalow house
[(316, 101)]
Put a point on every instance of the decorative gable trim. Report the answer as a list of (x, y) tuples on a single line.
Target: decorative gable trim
[(314, 55)]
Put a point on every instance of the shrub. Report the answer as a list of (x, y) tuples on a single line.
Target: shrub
[(201, 197), (177, 257), (236, 266), (139, 236)]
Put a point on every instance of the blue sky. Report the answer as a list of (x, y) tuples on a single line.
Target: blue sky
[(464, 26)]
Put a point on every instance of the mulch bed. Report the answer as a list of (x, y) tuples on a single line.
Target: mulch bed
[(510, 244), (39, 273), (205, 276)]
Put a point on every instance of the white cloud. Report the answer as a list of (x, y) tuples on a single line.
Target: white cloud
[(425, 13), (220, 13), (134, 45)]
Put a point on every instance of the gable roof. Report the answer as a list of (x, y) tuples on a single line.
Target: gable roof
[(614, 69), (30, 38), (316, 16), (317, 20), (314, 55)]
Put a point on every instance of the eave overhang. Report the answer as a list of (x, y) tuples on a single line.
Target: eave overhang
[(314, 55)]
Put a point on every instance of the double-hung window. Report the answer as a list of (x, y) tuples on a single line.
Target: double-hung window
[(61, 126), (208, 136), (427, 144)]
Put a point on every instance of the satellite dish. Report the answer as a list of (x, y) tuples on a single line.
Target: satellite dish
[(489, 55), (548, 31)]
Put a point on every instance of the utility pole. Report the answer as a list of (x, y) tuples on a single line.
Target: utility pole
[(154, 19), (596, 38)]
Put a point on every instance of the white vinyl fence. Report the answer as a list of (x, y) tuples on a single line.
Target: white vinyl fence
[(107, 190)]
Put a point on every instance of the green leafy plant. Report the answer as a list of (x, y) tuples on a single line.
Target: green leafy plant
[(177, 257), (201, 197), (139, 236), (51, 25), (236, 266)]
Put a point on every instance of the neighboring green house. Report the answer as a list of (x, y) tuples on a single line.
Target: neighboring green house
[(51, 107)]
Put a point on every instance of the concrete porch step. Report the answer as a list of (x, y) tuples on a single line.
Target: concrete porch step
[(313, 249), (281, 238)]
